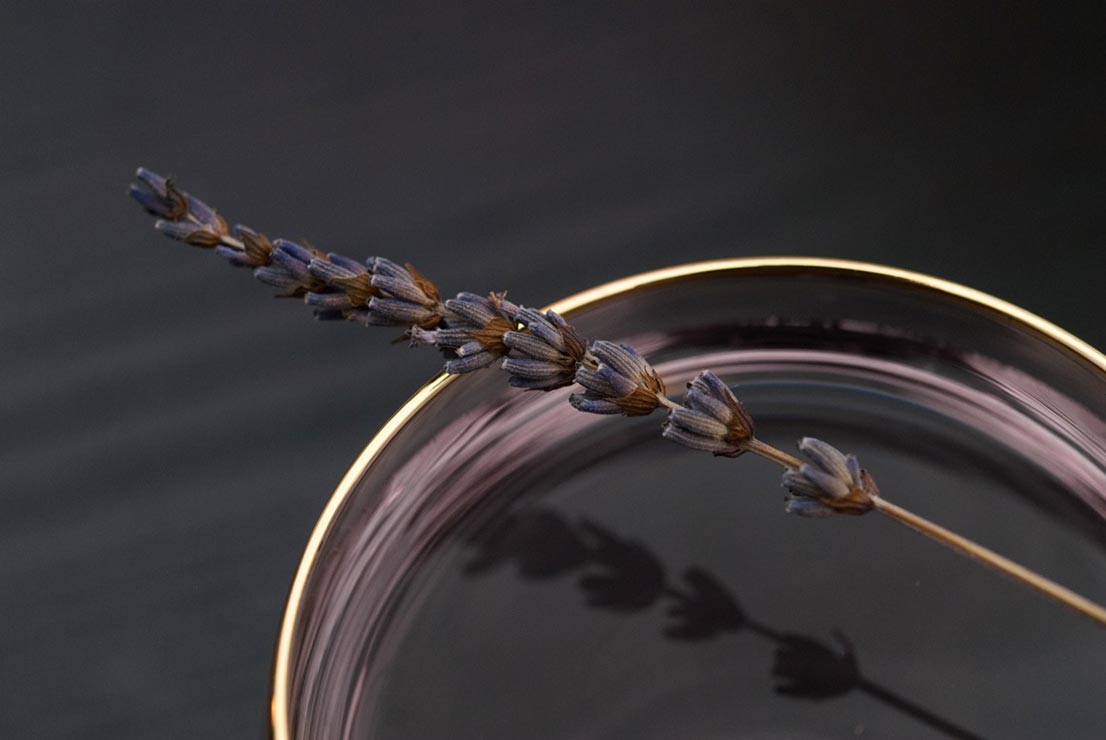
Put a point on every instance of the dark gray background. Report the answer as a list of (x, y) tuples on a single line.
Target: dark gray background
[(170, 432)]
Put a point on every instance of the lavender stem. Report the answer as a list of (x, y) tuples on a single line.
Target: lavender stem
[(964, 546)]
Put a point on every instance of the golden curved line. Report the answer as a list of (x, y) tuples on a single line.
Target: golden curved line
[(279, 702)]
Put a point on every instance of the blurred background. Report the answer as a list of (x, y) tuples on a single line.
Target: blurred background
[(170, 432)]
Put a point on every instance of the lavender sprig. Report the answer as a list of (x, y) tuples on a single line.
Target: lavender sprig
[(543, 352)]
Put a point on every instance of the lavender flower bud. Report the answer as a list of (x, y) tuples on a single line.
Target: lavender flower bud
[(256, 249), (203, 214), (395, 312), (328, 301), (831, 483), (622, 383), (549, 349), (712, 419), (343, 275), (289, 270), (476, 330), (479, 325), (473, 310), (469, 363), (181, 216), (152, 192), (189, 233), (402, 296), (422, 337)]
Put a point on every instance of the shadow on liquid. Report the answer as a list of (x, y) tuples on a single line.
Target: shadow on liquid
[(622, 575)]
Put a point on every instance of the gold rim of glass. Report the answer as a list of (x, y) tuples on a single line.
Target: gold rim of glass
[(280, 711)]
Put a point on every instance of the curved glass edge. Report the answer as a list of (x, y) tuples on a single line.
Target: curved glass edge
[(280, 711)]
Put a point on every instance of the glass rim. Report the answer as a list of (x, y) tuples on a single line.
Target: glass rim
[(280, 709)]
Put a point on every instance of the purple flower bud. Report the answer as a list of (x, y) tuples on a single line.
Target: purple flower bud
[(182, 216), (473, 310), (152, 192), (205, 215), (548, 340), (393, 312), (256, 250), (712, 419), (470, 363), (404, 283), (475, 333), (278, 278), (536, 375), (401, 289), (289, 270), (328, 301), (294, 257), (401, 295), (187, 232), (582, 402), (344, 275), (618, 376), (236, 257), (831, 483), (422, 337)]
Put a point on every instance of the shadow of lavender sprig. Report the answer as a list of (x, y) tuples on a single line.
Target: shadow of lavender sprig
[(622, 575), (807, 668), (614, 573), (703, 610)]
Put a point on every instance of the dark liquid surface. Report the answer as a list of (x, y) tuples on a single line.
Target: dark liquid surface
[(623, 587)]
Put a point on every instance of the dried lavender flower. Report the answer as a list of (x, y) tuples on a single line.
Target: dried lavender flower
[(475, 330), (712, 418), (256, 250), (831, 483), (153, 193), (403, 296), (289, 270), (348, 288), (617, 381), (549, 351), (181, 216)]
